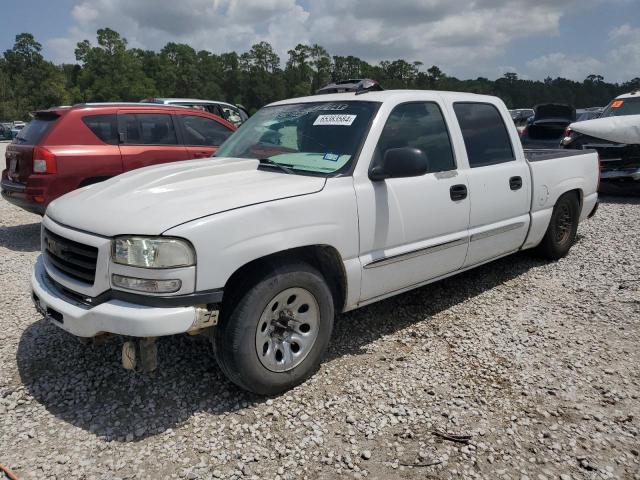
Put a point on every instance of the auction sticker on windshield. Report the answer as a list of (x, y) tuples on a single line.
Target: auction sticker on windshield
[(345, 120)]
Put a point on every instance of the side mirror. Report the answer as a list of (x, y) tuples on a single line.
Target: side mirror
[(399, 163)]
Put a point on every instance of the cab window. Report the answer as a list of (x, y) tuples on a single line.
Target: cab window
[(419, 125), (485, 135)]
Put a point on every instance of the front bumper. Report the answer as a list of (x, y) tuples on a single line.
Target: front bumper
[(113, 316)]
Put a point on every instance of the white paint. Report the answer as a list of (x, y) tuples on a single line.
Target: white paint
[(624, 129), (233, 213)]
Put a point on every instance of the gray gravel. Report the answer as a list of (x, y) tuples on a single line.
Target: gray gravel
[(536, 362)]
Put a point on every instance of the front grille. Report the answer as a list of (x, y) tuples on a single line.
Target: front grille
[(74, 259)]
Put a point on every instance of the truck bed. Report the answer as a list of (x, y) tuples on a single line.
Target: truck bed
[(535, 155)]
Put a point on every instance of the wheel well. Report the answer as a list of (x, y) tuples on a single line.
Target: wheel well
[(92, 180), (324, 258), (578, 194)]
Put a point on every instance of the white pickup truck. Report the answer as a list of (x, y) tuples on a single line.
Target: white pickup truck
[(316, 205)]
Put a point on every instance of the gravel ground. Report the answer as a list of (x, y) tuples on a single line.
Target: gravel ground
[(536, 362)]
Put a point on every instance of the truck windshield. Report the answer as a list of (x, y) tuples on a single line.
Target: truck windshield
[(317, 138), (622, 107)]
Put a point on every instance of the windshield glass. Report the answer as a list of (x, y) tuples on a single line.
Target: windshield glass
[(623, 106), (318, 137)]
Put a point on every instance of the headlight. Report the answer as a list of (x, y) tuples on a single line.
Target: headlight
[(153, 252)]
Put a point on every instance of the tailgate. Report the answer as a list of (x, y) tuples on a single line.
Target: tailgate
[(19, 160), (19, 154)]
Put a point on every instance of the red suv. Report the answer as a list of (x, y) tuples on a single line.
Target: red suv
[(65, 148)]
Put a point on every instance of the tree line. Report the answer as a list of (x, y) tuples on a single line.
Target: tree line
[(108, 70)]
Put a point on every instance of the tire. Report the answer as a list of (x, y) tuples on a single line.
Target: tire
[(299, 327), (562, 229)]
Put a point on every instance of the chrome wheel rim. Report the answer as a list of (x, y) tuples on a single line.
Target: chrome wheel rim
[(288, 329)]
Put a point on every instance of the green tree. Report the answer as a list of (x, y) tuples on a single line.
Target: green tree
[(27, 81), (110, 72)]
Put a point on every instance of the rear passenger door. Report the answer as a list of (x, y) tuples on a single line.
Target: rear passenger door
[(202, 135), (148, 139), (499, 184)]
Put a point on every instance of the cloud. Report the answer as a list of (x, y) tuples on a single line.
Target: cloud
[(567, 66), (463, 37), (620, 64)]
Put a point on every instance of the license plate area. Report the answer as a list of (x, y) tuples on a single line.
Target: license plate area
[(47, 312)]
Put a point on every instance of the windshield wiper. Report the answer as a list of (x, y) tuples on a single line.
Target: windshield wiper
[(268, 161)]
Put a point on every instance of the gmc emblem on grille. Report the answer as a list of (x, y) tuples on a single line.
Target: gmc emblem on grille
[(53, 247)]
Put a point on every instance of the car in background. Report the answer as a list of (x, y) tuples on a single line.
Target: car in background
[(546, 127), (588, 113), (357, 85), (520, 117), (235, 114), (5, 131), (66, 148), (619, 156), (16, 127)]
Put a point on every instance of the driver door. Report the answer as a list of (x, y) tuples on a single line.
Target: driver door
[(413, 229)]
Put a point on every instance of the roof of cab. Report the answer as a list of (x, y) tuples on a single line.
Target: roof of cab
[(382, 96)]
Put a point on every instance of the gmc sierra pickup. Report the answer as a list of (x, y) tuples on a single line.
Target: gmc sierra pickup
[(315, 206)]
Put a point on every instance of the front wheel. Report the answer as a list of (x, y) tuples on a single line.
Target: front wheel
[(563, 226), (276, 334)]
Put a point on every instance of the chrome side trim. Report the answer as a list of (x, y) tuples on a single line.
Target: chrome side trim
[(496, 231), (416, 253)]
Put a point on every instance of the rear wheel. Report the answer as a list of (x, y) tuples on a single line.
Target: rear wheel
[(276, 333), (563, 226)]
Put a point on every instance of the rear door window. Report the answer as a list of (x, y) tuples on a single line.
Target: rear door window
[(35, 130), (148, 129), (105, 127), (485, 135), (203, 131)]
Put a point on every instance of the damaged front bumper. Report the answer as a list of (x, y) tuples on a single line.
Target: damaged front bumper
[(115, 315)]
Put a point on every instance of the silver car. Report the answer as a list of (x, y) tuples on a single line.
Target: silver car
[(235, 114)]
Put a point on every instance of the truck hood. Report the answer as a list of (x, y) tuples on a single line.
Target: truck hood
[(151, 200), (623, 129)]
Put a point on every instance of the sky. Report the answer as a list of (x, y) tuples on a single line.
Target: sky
[(466, 39)]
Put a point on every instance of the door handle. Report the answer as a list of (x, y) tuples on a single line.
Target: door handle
[(201, 154), (458, 192), (515, 183)]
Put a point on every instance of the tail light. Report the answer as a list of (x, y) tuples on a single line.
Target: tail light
[(567, 136), (44, 161)]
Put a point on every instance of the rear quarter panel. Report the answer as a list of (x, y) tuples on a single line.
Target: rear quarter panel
[(553, 178), (80, 154)]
